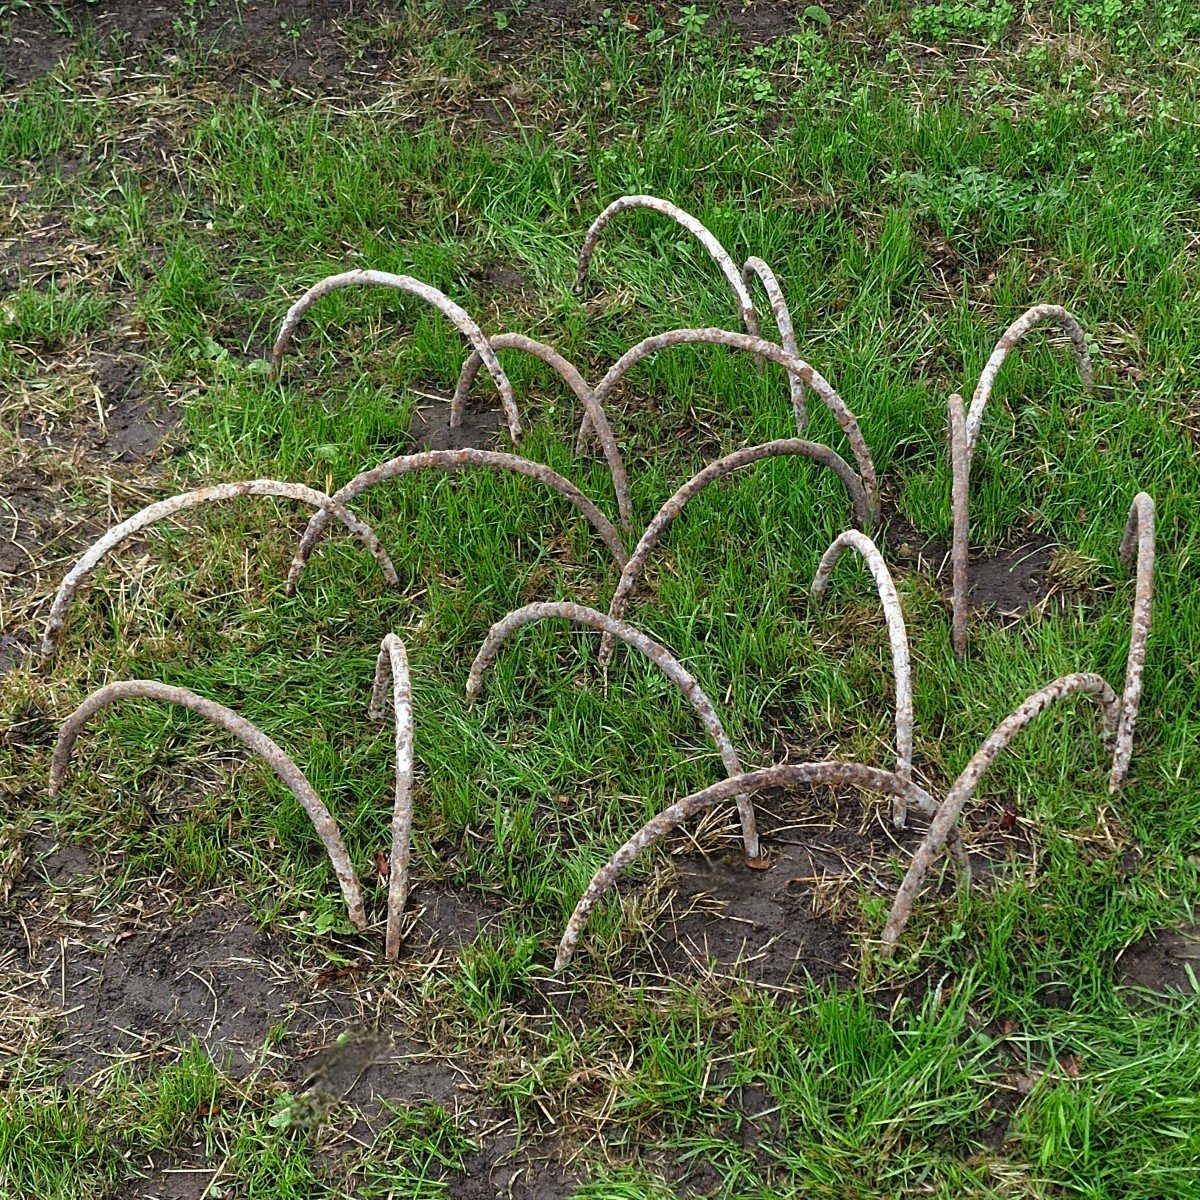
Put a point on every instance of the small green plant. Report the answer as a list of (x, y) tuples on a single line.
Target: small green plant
[(691, 21), (952, 18), (755, 83)]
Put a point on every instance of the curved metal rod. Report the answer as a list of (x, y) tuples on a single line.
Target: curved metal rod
[(392, 668), (666, 515), (897, 635), (787, 334), (575, 381), (113, 537), (656, 653), (1139, 526), (946, 820), (704, 236), (250, 736), (405, 283), (964, 433), (1012, 335), (447, 460), (795, 367), (960, 467), (789, 775)]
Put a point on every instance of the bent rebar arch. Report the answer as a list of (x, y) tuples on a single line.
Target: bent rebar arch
[(329, 505), (739, 285), (795, 367), (405, 283), (898, 637), (946, 819), (787, 334), (1011, 336), (447, 460), (250, 736), (964, 433), (1139, 525), (392, 667), (654, 651), (571, 376), (663, 519), (789, 775), (703, 235)]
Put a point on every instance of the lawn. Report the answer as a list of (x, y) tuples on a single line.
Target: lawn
[(185, 1010)]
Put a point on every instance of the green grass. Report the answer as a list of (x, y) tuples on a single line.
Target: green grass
[(1060, 166)]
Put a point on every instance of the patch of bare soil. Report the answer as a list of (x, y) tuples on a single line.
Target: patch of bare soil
[(798, 921), (132, 983), (481, 421), (1006, 583), (137, 985), (498, 1170), (294, 41), (1164, 961)]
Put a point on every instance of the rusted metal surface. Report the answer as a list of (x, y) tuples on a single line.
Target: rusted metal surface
[(964, 433), (946, 820), (424, 291), (789, 775), (1053, 313), (392, 668), (960, 467), (325, 505), (656, 653), (666, 515), (795, 367), (594, 415), (250, 736), (898, 637), (705, 237), (448, 460), (1139, 532), (787, 335)]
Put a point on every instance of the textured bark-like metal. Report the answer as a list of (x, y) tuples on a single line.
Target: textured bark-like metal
[(654, 651), (897, 635), (328, 505), (666, 515), (447, 460), (706, 238), (795, 367), (960, 468), (964, 433), (439, 300), (593, 412), (787, 334), (1139, 529), (946, 820), (392, 667), (1012, 335), (250, 736), (789, 775)]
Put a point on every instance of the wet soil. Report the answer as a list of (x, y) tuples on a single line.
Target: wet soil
[(1004, 583), (136, 983), (302, 42), (138, 986), (480, 427), (787, 924), (293, 41), (1162, 962)]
